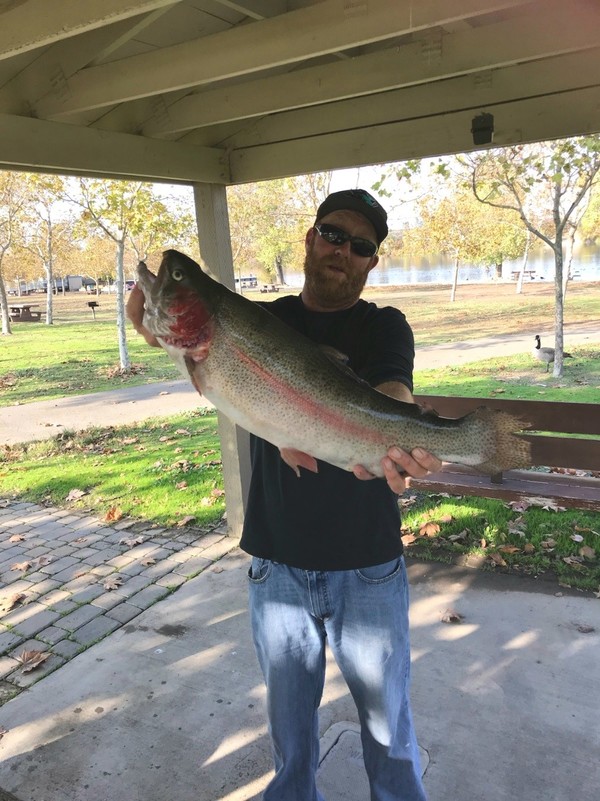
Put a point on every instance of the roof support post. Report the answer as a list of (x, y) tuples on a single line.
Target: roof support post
[(215, 252)]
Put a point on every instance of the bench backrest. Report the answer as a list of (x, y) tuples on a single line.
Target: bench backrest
[(547, 419)]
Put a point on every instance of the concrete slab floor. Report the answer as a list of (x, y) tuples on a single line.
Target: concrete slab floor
[(506, 703)]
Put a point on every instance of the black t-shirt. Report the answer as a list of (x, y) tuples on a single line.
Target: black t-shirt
[(330, 520)]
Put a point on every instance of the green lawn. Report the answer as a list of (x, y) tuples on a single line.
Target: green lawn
[(517, 377)]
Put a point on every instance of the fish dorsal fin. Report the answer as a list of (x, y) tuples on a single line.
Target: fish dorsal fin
[(341, 361)]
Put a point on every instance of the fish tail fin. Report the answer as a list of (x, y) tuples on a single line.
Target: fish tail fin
[(506, 449)]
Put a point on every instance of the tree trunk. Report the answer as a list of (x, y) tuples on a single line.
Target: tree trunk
[(524, 264), (567, 261), (558, 310), (121, 332), (279, 270), (498, 268), (6, 329), (49, 298), (454, 281)]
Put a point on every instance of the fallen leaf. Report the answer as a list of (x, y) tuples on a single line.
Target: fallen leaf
[(429, 530), (131, 541), (584, 629), (16, 538), (587, 552), (113, 583), (446, 519), (21, 566), (30, 660), (529, 548), (12, 601), (550, 543), (183, 432), (408, 539), (181, 485), (149, 561), (452, 616), (113, 514), (75, 494), (217, 493), (79, 540), (497, 559), (41, 561), (576, 537), (130, 440), (3, 731), (218, 569), (509, 549), (185, 520)]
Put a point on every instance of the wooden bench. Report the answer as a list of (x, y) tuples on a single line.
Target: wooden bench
[(574, 455)]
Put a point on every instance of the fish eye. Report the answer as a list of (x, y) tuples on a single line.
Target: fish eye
[(177, 275)]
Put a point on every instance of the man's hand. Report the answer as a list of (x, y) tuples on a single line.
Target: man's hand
[(400, 466), (135, 312)]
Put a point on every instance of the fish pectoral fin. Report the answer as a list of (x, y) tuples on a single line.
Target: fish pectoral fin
[(297, 459)]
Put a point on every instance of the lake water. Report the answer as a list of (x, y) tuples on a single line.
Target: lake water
[(585, 267)]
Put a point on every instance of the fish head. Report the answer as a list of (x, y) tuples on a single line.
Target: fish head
[(177, 304)]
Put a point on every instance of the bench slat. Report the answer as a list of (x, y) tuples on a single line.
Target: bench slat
[(566, 418)]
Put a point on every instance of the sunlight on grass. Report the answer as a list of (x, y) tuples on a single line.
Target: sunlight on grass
[(534, 542), (160, 470)]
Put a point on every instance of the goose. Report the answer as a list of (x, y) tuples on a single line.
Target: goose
[(545, 355)]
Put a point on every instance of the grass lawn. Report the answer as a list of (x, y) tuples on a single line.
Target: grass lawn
[(161, 470), (517, 377)]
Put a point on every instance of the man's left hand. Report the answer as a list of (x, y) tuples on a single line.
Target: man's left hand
[(400, 466)]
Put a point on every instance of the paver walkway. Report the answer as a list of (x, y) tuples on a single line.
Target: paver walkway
[(72, 579)]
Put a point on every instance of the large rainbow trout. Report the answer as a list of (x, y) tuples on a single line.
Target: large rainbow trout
[(279, 385)]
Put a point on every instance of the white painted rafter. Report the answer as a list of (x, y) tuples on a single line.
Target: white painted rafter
[(36, 23), (305, 33), (472, 50)]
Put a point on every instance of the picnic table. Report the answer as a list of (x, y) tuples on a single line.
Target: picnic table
[(22, 312)]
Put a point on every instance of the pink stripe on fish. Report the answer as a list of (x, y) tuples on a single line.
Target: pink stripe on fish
[(308, 404)]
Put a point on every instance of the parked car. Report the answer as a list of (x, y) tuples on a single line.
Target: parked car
[(269, 288)]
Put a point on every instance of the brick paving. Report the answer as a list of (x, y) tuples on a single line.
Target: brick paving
[(68, 580)]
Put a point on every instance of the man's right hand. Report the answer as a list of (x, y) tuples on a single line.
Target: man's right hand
[(135, 312)]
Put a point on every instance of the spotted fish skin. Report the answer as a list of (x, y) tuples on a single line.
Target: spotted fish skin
[(277, 384)]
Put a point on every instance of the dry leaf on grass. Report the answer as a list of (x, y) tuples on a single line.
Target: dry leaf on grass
[(429, 530), (452, 616), (185, 520), (113, 583), (217, 493), (181, 485), (75, 494), (587, 552), (509, 549), (30, 660), (529, 548), (113, 514), (408, 539), (183, 432), (497, 559)]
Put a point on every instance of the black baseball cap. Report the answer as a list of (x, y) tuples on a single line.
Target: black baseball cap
[(357, 200)]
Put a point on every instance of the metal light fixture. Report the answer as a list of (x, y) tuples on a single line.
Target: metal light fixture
[(482, 128)]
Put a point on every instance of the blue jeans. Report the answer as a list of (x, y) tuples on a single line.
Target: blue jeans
[(363, 614)]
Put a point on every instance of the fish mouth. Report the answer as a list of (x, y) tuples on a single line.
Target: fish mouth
[(182, 343)]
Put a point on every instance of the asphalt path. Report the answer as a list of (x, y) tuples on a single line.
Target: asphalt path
[(45, 419)]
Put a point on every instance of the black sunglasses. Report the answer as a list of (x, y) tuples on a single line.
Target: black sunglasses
[(335, 236)]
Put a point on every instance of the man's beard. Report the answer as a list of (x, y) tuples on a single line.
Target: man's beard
[(329, 289)]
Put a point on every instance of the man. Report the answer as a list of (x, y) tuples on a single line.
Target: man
[(327, 560)]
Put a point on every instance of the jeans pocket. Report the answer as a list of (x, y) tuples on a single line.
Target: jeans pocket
[(380, 574), (259, 570)]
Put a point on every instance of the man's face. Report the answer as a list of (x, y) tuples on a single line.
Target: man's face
[(334, 275)]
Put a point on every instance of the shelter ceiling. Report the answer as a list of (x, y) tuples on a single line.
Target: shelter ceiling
[(226, 92)]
